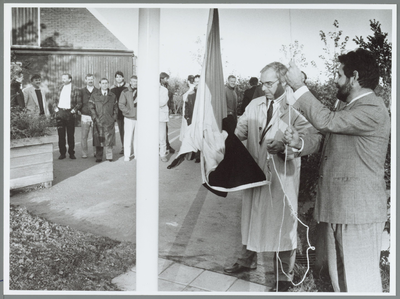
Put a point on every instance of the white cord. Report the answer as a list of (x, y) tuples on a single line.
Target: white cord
[(294, 213)]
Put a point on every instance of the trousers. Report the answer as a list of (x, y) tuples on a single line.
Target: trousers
[(248, 259), (86, 125), (66, 124), (353, 252), (121, 129), (163, 139), (99, 152), (129, 138)]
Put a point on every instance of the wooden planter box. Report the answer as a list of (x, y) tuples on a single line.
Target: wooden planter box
[(31, 161)]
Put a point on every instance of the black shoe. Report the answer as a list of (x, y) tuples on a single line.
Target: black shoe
[(171, 150), (72, 156), (110, 160), (283, 286), (236, 268), (98, 160), (61, 157)]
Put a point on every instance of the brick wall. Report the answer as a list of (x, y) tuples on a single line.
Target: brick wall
[(75, 28)]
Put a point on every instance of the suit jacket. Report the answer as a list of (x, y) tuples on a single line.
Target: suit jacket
[(32, 103), (86, 94), (247, 97), (127, 103), (76, 98), (351, 187)]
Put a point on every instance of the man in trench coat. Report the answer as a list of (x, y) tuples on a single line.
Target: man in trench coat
[(268, 222), (104, 110)]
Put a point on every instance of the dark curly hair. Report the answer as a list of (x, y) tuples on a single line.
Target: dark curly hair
[(364, 63)]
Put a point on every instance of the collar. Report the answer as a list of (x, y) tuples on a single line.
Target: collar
[(231, 88), (359, 97), (282, 100)]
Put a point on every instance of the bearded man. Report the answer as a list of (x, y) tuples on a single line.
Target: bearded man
[(351, 197)]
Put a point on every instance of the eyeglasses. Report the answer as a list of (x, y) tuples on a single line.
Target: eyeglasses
[(268, 84)]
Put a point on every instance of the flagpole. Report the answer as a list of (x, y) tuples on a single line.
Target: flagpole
[(147, 131)]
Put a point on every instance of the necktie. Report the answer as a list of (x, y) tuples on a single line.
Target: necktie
[(269, 116)]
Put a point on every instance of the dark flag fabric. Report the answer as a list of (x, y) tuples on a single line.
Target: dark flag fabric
[(226, 165)]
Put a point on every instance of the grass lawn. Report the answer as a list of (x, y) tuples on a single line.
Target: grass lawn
[(47, 256)]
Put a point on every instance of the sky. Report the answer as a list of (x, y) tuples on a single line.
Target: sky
[(251, 36)]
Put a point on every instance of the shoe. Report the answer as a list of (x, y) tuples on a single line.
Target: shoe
[(126, 160), (171, 150), (61, 157), (110, 160), (164, 159), (236, 268), (72, 156), (283, 286), (84, 157), (121, 152), (98, 160)]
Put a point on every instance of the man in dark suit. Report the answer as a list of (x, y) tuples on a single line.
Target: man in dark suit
[(248, 93), (66, 106), (351, 199)]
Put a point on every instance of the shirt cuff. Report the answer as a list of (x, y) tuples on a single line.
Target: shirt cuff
[(295, 150), (298, 93)]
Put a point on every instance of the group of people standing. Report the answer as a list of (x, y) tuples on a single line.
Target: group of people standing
[(99, 109)]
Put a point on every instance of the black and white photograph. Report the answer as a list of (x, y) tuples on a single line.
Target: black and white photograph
[(175, 149)]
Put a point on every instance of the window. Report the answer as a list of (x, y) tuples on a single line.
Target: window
[(25, 29)]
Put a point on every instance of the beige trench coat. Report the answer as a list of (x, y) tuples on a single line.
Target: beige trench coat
[(268, 223)]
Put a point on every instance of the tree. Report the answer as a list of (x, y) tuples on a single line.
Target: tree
[(295, 51), (380, 48), (332, 49)]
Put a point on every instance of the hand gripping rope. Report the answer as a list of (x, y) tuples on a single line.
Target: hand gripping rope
[(293, 213)]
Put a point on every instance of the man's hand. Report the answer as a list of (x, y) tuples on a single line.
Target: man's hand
[(294, 76), (291, 138), (274, 146)]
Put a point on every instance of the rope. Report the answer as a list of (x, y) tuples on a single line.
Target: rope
[(294, 213)]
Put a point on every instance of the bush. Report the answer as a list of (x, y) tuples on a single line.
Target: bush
[(25, 125)]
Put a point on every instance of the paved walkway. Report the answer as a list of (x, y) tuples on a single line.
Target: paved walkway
[(175, 277)]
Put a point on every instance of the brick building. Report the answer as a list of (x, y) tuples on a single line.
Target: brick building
[(51, 41)]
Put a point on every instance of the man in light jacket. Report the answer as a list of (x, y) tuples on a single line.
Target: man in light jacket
[(86, 119), (351, 197), (128, 105), (35, 98), (164, 116), (268, 223)]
